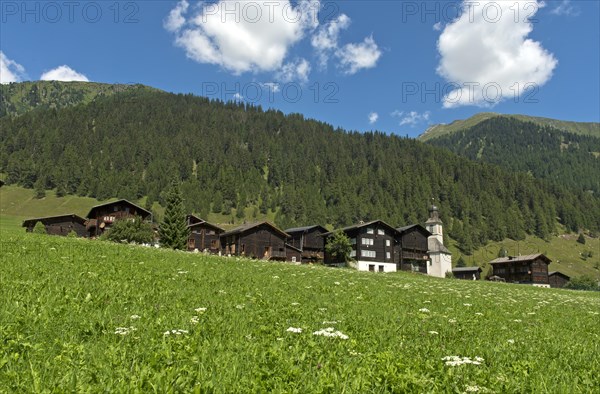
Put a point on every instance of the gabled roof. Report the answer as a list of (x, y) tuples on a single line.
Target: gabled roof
[(122, 201), (529, 257), (466, 269), (559, 274), (305, 228), (418, 227), (361, 225), (193, 219), (207, 224), (250, 226), (434, 245), (72, 216)]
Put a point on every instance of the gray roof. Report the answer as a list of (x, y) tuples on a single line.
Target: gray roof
[(360, 225), (250, 226), (466, 269), (137, 207), (68, 215), (434, 245), (558, 273), (302, 229), (528, 257), (417, 226)]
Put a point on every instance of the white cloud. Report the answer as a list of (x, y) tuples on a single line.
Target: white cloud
[(243, 36), (176, 20), (355, 57), (495, 54), (438, 26), (63, 73), (296, 71), (238, 97), (565, 8), (10, 71), (271, 86), (411, 118), (325, 40), (373, 117)]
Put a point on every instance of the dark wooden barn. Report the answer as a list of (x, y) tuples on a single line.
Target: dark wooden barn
[(310, 241), (102, 216), (467, 273), (558, 279), (373, 246), (59, 225), (262, 240), (411, 253), (204, 237), (293, 254), (530, 269)]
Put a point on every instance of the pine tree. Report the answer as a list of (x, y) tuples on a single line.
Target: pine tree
[(173, 229), (39, 187), (581, 239), (461, 262)]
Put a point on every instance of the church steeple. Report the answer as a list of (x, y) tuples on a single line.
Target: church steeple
[(434, 223)]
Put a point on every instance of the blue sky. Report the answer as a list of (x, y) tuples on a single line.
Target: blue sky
[(393, 66)]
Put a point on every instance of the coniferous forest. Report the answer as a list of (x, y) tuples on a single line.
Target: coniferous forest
[(230, 156)]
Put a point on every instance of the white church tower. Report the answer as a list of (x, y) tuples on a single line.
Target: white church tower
[(440, 256)]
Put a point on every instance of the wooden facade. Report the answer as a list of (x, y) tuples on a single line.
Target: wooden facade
[(411, 253), (59, 225), (204, 237), (558, 279), (101, 217), (293, 254), (262, 241), (530, 269), (467, 273), (310, 241)]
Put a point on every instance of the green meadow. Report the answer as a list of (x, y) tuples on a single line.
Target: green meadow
[(89, 316)]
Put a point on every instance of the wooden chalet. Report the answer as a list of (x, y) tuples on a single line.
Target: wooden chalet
[(293, 254), (531, 269), (467, 273), (263, 241), (310, 241), (411, 253), (204, 237), (373, 246), (193, 219), (558, 279), (59, 225), (102, 216)]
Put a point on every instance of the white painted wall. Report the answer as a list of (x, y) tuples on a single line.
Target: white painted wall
[(440, 264), (364, 266)]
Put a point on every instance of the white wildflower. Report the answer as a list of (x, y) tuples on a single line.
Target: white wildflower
[(336, 283), (517, 320), (322, 309), (295, 303), (195, 320), (424, 310), (124, 330), (433, 332), (294, 330), (331, 322), (239, 306), (452, 321), (176, 332), (467, 304), (511, 341), (479, 313), (331, 332), (182, 272), (200, 310), (472, 389), (135, 317), (275, 277)]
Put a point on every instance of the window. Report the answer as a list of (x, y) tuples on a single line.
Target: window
[(381, 268), (115, 208), (387, 255), (380, 232), (370, 230), (367, 241), (368, 253), (293, 259), (353, 241), (214, 244), (353, 253), (372, 267), (387, 242), (126, 209)]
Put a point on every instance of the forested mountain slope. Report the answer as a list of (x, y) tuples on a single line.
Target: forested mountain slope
[(563, 158), (581, 128), (232, 156), (19, 98)]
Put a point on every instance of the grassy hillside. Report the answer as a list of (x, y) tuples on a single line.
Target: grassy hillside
[(88, 316), (18, 98), (583, 128)]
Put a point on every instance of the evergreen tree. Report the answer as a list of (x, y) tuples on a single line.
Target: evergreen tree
[(173, 229), (461, 262), (39, 188), (581, 239), (128, 230), (39, 228)]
